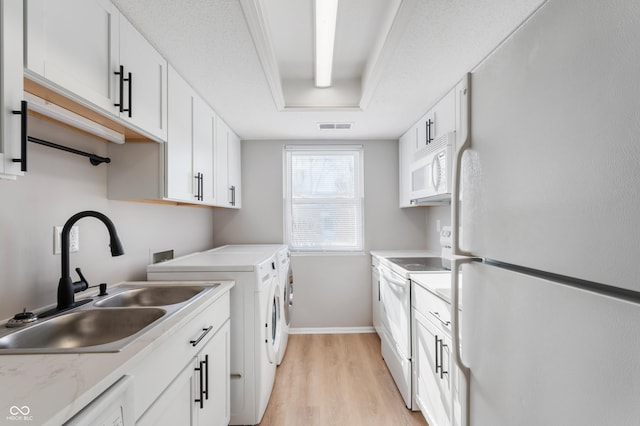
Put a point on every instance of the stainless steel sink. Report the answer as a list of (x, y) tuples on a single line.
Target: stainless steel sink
[(97, 328), (104, 324), (153, 296)]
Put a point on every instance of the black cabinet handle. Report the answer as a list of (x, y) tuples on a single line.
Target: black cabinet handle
[(199, 186), (429, 137), (201, 371), (205, 331), (129, 79), (120, 103), (206, 376), (23, 136)]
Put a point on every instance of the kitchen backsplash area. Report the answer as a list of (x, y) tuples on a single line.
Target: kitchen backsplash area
[(57, 186)]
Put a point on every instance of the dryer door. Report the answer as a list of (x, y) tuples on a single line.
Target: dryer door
[(287, 302), (273, 323)]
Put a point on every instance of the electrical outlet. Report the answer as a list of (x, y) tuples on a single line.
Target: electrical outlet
[(74, 239)]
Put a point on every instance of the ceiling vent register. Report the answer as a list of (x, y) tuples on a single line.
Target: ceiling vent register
[(335, 126)]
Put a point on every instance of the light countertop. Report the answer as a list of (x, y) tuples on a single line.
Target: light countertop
[(55, 387)]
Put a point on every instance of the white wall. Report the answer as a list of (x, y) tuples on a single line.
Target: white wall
[(59, 185), (330, 290)]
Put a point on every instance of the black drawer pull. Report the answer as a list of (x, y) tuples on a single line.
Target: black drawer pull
[(205, 331)]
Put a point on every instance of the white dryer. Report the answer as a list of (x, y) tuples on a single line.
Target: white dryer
[(285, 277), (255, 320)]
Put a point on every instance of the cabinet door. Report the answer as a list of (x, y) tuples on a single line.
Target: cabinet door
[(223, 197), (431, 390), (175, 405), (203, 141), (74, 44), (406, 148), (440, 119), (214, 358), (148, 85), (444, 115), (234, 154), (180, 174), (11, 86)]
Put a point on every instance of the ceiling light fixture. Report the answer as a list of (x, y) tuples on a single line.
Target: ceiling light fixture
[(326, 12)]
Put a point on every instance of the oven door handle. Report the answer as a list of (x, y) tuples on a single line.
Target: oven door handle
[(397, 283)]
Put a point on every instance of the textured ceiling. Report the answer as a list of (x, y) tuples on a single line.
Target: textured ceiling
[(436, 42)]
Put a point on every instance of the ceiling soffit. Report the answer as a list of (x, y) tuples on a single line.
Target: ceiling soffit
[(366, 31)]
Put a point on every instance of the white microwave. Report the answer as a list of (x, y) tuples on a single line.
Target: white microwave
[(431, 170)]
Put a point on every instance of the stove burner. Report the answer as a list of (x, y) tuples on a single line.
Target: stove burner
[(422, 263)]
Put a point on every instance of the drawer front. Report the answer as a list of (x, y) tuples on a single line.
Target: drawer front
[(156, 372), (431, 306)]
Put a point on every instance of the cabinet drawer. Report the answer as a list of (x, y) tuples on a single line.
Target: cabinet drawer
[(155, 373), (431, 306)]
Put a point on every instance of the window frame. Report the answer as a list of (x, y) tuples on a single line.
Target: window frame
[(357, 201)]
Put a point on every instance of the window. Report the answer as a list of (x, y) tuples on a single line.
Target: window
[(323, 197)]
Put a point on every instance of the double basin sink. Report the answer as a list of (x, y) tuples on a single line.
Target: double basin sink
[(106, 324)]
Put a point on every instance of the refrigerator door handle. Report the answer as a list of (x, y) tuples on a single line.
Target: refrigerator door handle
[(455, 342), (464, 144)]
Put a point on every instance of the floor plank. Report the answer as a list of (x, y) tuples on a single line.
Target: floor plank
[(336, 379)]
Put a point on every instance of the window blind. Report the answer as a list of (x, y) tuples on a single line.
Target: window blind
[(324, 198)]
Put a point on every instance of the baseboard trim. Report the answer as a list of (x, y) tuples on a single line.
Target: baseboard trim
[(332, 330)]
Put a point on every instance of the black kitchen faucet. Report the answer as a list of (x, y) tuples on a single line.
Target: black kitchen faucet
[(66, 287)]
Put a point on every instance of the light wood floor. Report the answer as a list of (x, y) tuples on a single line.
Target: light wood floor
[(336, 379)]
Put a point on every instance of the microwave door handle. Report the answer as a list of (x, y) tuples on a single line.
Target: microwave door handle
[(436, 172)]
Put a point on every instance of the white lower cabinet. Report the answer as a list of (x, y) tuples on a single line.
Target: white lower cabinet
[(432, 375), (186, 380), (434, 372), (199, 394)]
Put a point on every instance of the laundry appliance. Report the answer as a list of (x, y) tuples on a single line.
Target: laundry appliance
[(255, 320), (285, 278)]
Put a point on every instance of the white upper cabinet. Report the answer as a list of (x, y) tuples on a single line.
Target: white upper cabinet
[(189, 148), (184, 169), (227, 165), (77, 47), (204, 121), (440, 119), (74, 44), (234, 153), (406, 148), (144, 95), (221, 163), (179, 148), (11, 88)]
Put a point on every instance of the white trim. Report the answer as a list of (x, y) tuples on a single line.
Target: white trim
[(257, 22), (382, 53), (65, 116), (332, 330)]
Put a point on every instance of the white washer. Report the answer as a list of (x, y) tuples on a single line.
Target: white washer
[(255, 320), (285, 278)]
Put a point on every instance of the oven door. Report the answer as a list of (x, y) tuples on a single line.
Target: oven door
[(396, 309)]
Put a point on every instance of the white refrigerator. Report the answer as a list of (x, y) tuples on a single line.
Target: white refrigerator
[(549, 333)]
